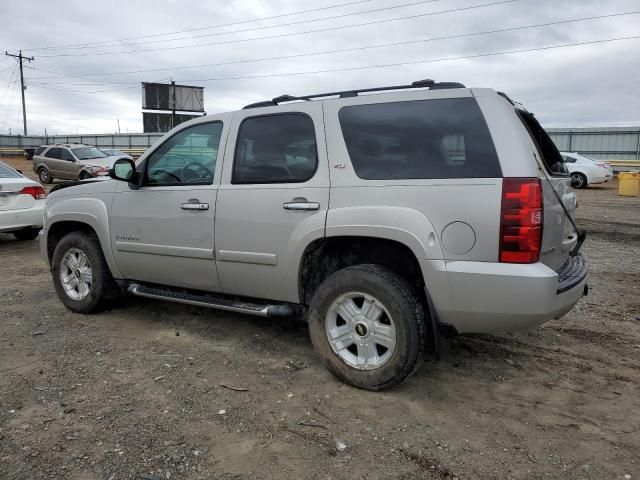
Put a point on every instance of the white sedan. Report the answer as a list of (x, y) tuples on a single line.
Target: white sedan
[(22, 204), (585, 170)]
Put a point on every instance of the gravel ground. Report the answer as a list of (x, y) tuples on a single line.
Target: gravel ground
[(153, 390)]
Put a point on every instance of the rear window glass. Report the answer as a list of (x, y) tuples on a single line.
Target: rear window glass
[(446, 138), (553, 161), (6, 172)]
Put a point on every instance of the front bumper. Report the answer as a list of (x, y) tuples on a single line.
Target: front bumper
[(12, 220), (498, 297)]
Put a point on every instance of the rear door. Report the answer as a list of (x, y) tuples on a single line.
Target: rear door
[(54, 162), (272, 201), (558, 235)]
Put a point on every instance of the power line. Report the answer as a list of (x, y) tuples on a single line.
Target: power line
[(271, 17), (326, 52), (266, 27), (326, 29), (399, 64)]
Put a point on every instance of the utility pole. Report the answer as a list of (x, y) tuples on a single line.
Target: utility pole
[(118, 120), (22, 89), (173, 103)]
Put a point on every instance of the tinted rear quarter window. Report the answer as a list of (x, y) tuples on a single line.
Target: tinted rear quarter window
[(423, 139), (39, 151)]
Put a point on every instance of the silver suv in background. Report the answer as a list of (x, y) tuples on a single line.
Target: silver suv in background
[(384, 219), (70, 161)]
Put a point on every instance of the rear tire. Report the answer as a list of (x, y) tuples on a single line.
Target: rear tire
[(26, 233), (83, 176), (81, 275), (44, 176), (397, 332), (579, 179)]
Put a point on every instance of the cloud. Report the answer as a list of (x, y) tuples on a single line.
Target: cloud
[(590, 85)]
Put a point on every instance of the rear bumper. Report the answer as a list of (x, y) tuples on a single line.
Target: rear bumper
[(495, 297), (12, 220), (601, 178)]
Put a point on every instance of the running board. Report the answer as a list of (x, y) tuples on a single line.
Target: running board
[(210, 301)]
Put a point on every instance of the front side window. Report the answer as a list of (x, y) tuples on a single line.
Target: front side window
[(55, 153), (87, 153), (423, 139), (66, 155), (188, 157), (275, 149)]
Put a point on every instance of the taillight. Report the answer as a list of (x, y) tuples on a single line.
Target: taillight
[(521, 220), (38, 193)]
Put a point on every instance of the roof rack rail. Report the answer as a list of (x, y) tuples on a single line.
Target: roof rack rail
[(427, 83)]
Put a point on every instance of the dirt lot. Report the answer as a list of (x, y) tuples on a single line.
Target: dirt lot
[(154, 390)]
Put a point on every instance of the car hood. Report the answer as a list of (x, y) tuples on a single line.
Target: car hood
[(106, 162)]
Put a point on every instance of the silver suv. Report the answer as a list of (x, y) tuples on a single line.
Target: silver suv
[(386, 219), (70, 161)]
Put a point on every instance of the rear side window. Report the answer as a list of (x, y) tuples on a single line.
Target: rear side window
[(422, 139), (39, 150), (54, 153), (276, 149)]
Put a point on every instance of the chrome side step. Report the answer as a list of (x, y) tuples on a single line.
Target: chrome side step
[(210, 301)]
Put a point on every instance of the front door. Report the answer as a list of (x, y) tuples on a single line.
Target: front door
[(272, 201), (69, 166), (163, 232)]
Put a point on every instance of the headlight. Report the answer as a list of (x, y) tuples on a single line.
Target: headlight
[(97, 171)]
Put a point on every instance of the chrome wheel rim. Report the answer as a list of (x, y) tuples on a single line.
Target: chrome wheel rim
[(75, 274), (579, 180), (360, 331), (44, 175)]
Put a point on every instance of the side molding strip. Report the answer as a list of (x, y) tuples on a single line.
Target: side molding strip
[(247, 257), (172, 251)]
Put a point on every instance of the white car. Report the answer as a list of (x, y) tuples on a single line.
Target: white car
[(585, 170), (22, 204)]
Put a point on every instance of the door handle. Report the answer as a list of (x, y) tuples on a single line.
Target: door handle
[(194, 204), (301, 204)]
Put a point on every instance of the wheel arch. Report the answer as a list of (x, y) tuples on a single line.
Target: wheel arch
[(93, 220), (325, 256)]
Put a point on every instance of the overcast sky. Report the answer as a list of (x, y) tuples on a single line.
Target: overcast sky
[(588, 85)]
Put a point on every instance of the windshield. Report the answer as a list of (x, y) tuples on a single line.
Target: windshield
[(111, 152), (6, 172), (85, 153)]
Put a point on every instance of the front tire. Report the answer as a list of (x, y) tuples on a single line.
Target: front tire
[(81, 275), (368, 326), (26, 234)]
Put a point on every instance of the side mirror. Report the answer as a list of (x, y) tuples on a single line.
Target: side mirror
[(123, 169)]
